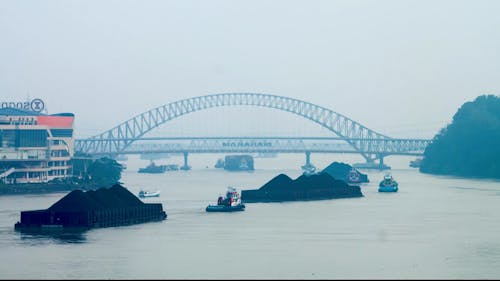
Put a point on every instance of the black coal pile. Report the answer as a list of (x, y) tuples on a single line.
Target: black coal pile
[(114, 206), (306, 187), (342, 171)]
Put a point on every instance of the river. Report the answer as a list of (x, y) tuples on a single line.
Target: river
[(434, 227)]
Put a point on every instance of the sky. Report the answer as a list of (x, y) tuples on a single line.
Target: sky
[(401, 68)]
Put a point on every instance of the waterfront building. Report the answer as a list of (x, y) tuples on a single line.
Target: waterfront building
[(35, 147)]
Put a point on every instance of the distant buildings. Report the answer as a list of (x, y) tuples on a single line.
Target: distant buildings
[(35, 147)]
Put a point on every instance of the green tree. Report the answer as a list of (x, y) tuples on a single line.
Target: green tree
[(470, 145), (105, 171)]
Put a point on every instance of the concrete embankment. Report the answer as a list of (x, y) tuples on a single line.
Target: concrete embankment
[(43, 188)]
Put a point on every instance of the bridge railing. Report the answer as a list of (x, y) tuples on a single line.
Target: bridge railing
[(277, 145)]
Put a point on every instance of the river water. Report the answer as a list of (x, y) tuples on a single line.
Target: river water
[(434, 227)]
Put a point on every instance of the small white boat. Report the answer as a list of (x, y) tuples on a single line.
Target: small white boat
[(144, 194)]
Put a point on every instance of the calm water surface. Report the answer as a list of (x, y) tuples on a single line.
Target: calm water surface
[(434, 227)]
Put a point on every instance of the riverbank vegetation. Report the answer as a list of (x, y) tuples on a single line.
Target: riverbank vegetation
[(470, 145)]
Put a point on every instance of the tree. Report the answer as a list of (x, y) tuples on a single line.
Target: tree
[(105, 171), (470, 145)]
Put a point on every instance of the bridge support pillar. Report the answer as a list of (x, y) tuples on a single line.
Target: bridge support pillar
[(308, 167), (185, 166), (381, 164)]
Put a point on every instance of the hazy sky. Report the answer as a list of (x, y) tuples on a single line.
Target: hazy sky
[(402, 68)]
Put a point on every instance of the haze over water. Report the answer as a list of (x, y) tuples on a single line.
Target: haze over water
[(434, 227), (400, 68)]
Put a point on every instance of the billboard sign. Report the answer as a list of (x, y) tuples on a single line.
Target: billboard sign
[(35, 105)]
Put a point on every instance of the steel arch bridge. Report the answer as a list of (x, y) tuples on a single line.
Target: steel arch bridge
[(363, 140)]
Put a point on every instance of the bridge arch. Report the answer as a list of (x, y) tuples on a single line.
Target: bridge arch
[(120, 137)]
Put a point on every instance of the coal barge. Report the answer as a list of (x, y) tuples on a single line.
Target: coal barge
[(345, 172), (238, 163), (304, 188), (104, 207)]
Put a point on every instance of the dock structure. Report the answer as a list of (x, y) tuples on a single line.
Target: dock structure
[(104, 207)]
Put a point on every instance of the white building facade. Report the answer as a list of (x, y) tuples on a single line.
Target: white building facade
[(35, 147)]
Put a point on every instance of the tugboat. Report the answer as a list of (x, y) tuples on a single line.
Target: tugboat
[(231, 203), (152, 168), (388, 184)]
